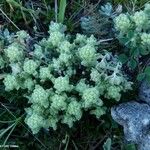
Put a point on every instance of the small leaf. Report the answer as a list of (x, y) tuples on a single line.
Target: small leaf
[(147, 70), (123, 58), (144, 51), (132, 52), (123, 40), (136, 53), (6, 33), (107, 144), (132, 64), (148, 78), (141, 76)]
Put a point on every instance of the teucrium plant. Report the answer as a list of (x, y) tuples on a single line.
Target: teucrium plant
[(133, 31), (62, 77)]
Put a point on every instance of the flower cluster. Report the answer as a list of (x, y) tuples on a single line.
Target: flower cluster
[(62, 77), (133, 31), (138, 21), (123, 23)]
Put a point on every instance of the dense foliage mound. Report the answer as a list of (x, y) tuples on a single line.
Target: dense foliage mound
[(61, 76)]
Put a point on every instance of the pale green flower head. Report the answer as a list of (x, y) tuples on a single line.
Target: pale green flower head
[(65, 47), (145, 37), (40, 96), (29, 84), (92, 40), (80, 39), (56, 64), (57, 27), (61, 84), (38, 109), (58, 102), (22, 35), (87, 55), (90, 97), (30, 66), (75, 109), (11, 83), (140, 18), (113, 92), (95, 75), (38, 52), (56, 38), (45, 73), (122, 23), (14, 53), (65, 58), (81, 86), (35, 122)]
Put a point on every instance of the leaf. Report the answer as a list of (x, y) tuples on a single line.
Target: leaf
[(123, 40), (107, 144), (148, 79), (141, 76), (147, 70), (132, 64), (132, 52), (62, 8), (136, 53), (147, 73), (131, 34), (144, 51), (123, 58)]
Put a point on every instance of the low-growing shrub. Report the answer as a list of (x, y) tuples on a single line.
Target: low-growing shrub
[(61, 76)]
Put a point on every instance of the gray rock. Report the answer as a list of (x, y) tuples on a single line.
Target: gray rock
[(145, 143), (135, 118), (144, 92)]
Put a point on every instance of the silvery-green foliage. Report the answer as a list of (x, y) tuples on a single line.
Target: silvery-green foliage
[(133, 31), (95, 25), (100, 22), (108, 10), (6, 36), (62, 77)]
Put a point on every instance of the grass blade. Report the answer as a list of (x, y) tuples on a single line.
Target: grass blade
[(62, 9), (2, 132)]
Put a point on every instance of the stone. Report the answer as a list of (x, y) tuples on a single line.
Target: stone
[(144, 92), (145, 143), (135, 119)]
